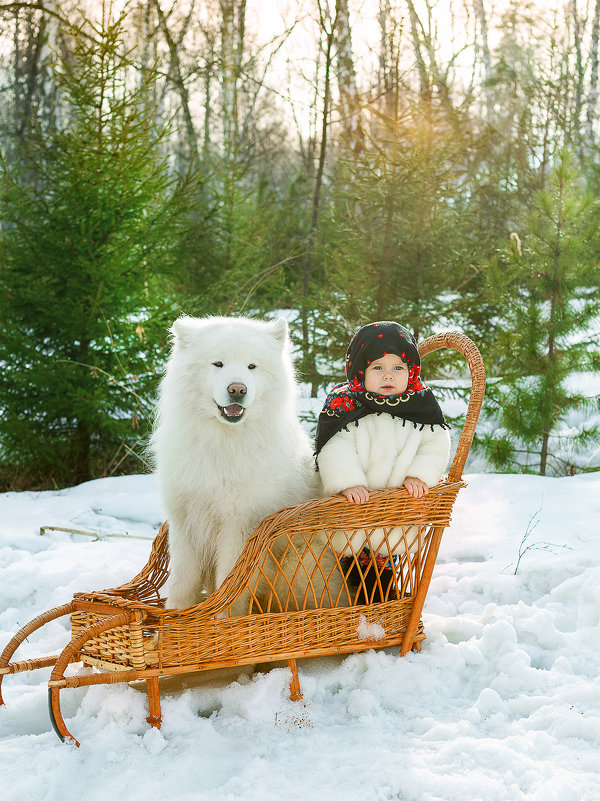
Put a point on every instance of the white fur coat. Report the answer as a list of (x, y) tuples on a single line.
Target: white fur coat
[(379, 452)]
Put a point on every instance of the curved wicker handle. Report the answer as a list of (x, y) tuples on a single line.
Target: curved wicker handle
[(465, 346)]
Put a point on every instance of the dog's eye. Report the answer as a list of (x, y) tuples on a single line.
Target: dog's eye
[(251, 367), (218, 364)]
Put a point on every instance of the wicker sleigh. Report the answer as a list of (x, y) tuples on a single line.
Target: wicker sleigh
[(319, 607)]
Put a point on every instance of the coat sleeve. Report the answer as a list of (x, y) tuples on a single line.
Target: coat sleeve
[(339, 465), (431, 459)]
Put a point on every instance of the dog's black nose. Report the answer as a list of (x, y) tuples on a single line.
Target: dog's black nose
[(236, 391)]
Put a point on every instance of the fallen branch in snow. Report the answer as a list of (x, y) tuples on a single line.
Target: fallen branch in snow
[(540, 545), (94, 534)]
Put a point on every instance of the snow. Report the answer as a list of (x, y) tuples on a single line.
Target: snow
[(502, 703), (369, 631)]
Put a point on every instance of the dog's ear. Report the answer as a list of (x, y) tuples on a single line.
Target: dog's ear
[(180, 331), (279, 329)]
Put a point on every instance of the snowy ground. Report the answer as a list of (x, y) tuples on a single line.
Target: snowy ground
[(502, 704)]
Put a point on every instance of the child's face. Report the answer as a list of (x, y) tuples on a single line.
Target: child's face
[(387, 376)]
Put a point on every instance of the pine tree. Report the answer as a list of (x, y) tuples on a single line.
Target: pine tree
[(547, 284), (90, 217)]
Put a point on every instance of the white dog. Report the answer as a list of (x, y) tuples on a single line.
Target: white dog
[(228, 446)]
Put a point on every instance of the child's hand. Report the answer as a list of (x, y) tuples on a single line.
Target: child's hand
[(358, 494), (415, 487)]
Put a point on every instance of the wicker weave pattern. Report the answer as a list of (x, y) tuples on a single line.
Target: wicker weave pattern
[(118, 647), (299, 588), (244, 640)]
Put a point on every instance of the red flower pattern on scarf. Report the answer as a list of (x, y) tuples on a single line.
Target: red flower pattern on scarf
[(414, 382), (344, 403)]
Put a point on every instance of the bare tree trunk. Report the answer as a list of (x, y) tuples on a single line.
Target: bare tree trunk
[(308, 354), (486, 58), (350, 111), (207, 110), (424, 83), (578, 80), (593, 93), (384, 20), (33, 68), (146, 41), (389, 55), (429, 74), (29, 98), (233, 27), (82, 452), (27, 43), (179, 81)]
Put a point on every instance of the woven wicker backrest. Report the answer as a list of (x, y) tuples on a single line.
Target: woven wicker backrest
[(316, 559)]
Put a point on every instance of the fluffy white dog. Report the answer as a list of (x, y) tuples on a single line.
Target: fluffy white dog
[(228, 446)]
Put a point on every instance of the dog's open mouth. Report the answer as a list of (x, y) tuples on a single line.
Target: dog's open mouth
[(232, 413)]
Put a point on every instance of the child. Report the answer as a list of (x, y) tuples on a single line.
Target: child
[(382, 427)]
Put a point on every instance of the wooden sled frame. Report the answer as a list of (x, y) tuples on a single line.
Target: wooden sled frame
[(125, 634)]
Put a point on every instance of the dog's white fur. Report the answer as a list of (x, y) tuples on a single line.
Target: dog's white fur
[(220, 477)]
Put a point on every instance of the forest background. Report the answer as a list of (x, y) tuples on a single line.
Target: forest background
[(434, 163)]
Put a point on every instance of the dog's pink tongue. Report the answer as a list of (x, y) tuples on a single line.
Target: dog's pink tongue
[(233, 410)]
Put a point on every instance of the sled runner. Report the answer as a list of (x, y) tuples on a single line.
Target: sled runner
[(356, 577)]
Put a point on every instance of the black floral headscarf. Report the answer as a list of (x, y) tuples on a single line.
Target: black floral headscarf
[(349, 401)]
